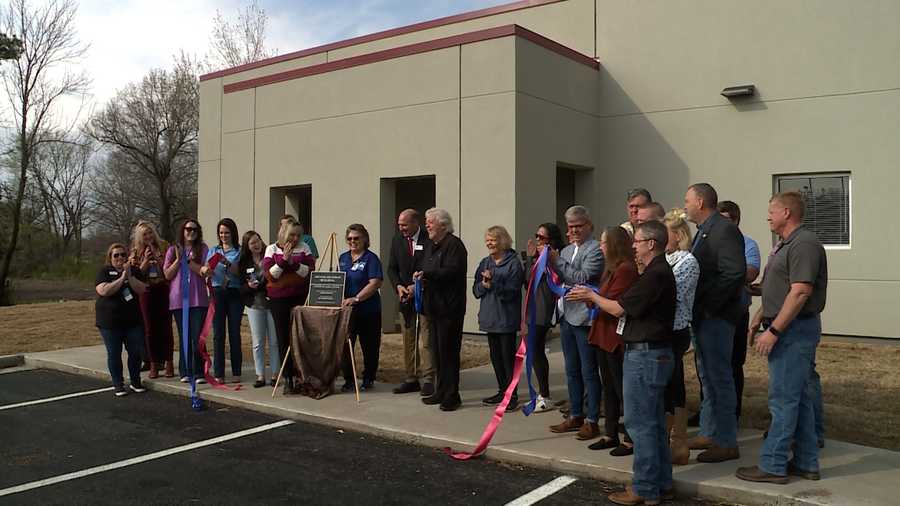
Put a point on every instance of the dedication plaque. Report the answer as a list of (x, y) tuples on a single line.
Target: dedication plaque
[(326, 289)]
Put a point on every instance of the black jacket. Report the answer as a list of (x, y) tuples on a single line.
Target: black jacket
[(719, 249), (401, 266), (444, 270)]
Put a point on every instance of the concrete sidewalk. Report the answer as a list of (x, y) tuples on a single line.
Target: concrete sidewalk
[(852, 474)]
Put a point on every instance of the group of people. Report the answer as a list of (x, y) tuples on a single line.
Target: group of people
[(637, 298)]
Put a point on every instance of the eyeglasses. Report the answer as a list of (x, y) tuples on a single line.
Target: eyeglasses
[(190, 229), (541, 237), (643, 240), (354, 238), (120, 255)]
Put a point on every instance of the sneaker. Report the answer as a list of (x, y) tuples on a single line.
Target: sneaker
[(543, 404), (201, 381), (137, 388), (184, 379), (120, 391)]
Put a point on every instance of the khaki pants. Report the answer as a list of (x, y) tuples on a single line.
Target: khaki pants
[(426, 352)]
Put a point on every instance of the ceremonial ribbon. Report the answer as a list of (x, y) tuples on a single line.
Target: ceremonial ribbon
[(417, 296), (207, 326), (185, 328), (528, 332)]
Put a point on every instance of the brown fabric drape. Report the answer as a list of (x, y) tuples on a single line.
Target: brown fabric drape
[(317, 340)]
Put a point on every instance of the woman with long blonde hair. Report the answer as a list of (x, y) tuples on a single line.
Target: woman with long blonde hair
[(147, 255)]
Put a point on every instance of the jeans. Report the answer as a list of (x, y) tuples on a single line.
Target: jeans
[(503, 358), (645, 376), (581, 371), (715, 340), (262, 330), (196, 317), (133, 339), (815, 393), (230, 307), (366, 328), (791, 400)]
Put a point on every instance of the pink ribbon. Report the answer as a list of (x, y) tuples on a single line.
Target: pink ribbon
[(207, 326)]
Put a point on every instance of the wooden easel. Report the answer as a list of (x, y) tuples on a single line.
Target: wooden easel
[(331, 252)]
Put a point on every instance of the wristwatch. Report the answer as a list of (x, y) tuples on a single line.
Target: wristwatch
[(775, 332), (356, 300)]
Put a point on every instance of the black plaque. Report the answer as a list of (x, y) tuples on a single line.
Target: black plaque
[(326, 289)]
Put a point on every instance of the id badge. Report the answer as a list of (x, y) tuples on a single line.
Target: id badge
[(621, 326), (154, 272), (127, 295)]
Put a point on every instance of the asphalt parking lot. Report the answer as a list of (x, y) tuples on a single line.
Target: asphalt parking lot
[(151, 448)]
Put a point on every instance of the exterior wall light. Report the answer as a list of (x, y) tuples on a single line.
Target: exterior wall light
[(746, 90)]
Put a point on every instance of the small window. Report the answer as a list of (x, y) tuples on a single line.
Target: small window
[(827, 199)]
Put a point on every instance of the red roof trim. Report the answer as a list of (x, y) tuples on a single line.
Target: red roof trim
[(421, 47), (449, 20)]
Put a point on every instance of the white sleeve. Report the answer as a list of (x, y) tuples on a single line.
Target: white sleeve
[(275, 270)]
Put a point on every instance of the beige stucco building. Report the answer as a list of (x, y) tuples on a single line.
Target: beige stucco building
[(510, 114)]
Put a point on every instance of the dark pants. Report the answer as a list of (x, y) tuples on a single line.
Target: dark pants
[(503, 358), (676, 395), (196, 317), (613, 400), (540, 363), (366, 327), (228, 307), (281, 312), (447, 338), (157, 323), (133, 339)]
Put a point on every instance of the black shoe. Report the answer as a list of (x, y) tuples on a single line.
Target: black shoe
[(433, 399), (427, 389), (694, 421), (622, 451), (451, 404), (259, 383), (367, 385), (793, 470), (605, 443), (513, 404), (137, 388), (407, 387), (494, 399), (120, 391), (348, 386), (272, 382)]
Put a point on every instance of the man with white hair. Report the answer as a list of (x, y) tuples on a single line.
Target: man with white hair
[(444, 274), (579, 263)]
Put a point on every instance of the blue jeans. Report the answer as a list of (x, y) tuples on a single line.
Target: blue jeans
[(645, 375), (715, 340), (582, 372), (196, 316), (228, 307), (133, 339), (814, 390), (262, 330), (791, 400)]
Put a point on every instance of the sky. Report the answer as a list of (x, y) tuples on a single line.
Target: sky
[(129, 37)]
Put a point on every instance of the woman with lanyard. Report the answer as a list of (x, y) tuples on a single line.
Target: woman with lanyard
[(253, 295), (227, 296), (287, 265), (687, 273), (547, 235), (364, 278), (147, 251), (118, 317), (188, 247)]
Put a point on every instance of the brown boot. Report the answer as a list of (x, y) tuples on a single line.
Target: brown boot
[(719, 454), (170, 369), (588, 430), (571, 424), (629, 498), (700, 443), (681, 454), (154, 370)]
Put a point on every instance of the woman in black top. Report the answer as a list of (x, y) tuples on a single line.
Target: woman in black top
[(547, 235), (119, 317)]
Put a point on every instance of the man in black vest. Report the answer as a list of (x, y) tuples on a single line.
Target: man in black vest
[(407, 251), (719, 249)]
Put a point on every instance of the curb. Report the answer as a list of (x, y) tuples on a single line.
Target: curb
[(7, 361), (720, 494)]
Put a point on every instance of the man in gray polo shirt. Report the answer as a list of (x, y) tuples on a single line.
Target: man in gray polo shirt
[(793, 296)]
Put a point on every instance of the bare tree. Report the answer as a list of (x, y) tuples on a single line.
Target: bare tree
[(34, 83), (153, 125), (240, 41)]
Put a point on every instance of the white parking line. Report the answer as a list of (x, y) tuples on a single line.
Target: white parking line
[(137, 460), (543, 491), (58, 398)]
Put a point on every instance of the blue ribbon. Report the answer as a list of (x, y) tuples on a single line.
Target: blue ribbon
[(417, 296), (186, 330), (540, 272)]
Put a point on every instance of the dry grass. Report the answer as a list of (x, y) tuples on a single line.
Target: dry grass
[(859, 381)]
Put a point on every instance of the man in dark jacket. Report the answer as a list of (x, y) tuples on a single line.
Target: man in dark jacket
[(719, 249), (407, 252), (444, 273)]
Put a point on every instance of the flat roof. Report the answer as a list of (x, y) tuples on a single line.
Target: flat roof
[(393, 32), (411, 49)]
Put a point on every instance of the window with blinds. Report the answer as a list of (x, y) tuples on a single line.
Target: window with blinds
[(827, 199)]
